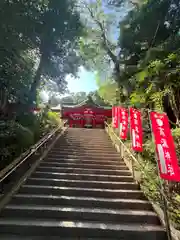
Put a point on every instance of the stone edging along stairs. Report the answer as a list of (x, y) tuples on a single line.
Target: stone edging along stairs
[(81, 190)]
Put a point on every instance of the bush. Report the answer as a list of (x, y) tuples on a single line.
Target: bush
[(17, 136), (149, 151), (14, 138), (53, 119), (24, 136)]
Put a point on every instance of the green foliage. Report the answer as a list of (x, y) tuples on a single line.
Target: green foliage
[(53, 119), (16, 137), (137, 99), (43, 32), (146, 72), (38, 48), (24, 136)]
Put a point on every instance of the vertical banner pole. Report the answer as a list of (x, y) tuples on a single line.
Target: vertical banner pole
[(166, 215), (162, 192)]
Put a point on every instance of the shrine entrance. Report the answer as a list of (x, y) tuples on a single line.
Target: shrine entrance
[(86, 115), (88, 118)]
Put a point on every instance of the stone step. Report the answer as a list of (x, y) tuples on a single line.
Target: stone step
[(81, 229), (79, 214), (83, 165), (88, 147), (77, 201), (86, 171), (82, 183), (87, 135), (80, 176), (93, 150), (90, 139), (81, 152), (82, 190), (81, 161), (75, 191), (17, 237), (83, 156), (83, 144)]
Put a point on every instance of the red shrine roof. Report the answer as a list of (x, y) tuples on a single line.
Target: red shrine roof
[(88, 105)]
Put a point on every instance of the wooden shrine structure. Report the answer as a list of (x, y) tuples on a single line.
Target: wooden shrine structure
[(86, 114)]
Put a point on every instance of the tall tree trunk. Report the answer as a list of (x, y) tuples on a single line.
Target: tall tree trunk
[(36, 83)]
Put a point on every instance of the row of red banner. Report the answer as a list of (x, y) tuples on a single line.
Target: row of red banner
[(165, 147)]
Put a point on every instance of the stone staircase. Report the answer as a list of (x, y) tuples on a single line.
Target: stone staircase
[(81, 190)]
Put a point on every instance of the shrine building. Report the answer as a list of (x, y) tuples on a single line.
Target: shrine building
[(86, 114)]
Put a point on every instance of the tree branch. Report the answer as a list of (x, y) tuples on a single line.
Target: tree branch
[(103, 35)]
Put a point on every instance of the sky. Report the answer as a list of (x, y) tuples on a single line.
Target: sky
[(87, 79), (85, 82)]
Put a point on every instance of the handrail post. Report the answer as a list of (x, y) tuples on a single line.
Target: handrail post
[(165, 210), (121, 150), (133, 172)]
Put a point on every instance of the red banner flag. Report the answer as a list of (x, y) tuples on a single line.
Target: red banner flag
[(113, 112), (115, 120), (123, 121), (165, 148), (136, 130)]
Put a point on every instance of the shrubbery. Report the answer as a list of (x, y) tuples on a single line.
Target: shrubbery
[(149, 177), (17, 136), (150, 181)]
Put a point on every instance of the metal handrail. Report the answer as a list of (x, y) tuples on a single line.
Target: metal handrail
[(20, 160), (162, 193), (123, 144), (133, 157)]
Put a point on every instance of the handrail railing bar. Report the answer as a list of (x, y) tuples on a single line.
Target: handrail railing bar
[(7, 171), (161, 192)]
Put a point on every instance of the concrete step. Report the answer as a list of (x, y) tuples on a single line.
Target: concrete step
[(86, 171), (75, 191), (90, 140), (83, 165), (82, 183), (81, 176), (81, 152), (17, 237), (105, 148), (83, 156), (81, 229), (81, 161), (82, 190), (84, 161), (85, 145), (77, 201), (79, 214), (109, 150)]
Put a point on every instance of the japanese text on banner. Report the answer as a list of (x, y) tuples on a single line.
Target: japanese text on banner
[(123, 123), (136, 129), (165, 148), (115, 117)]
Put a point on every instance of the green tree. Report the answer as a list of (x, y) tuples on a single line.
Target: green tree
[(38, 39), (59, 26)]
